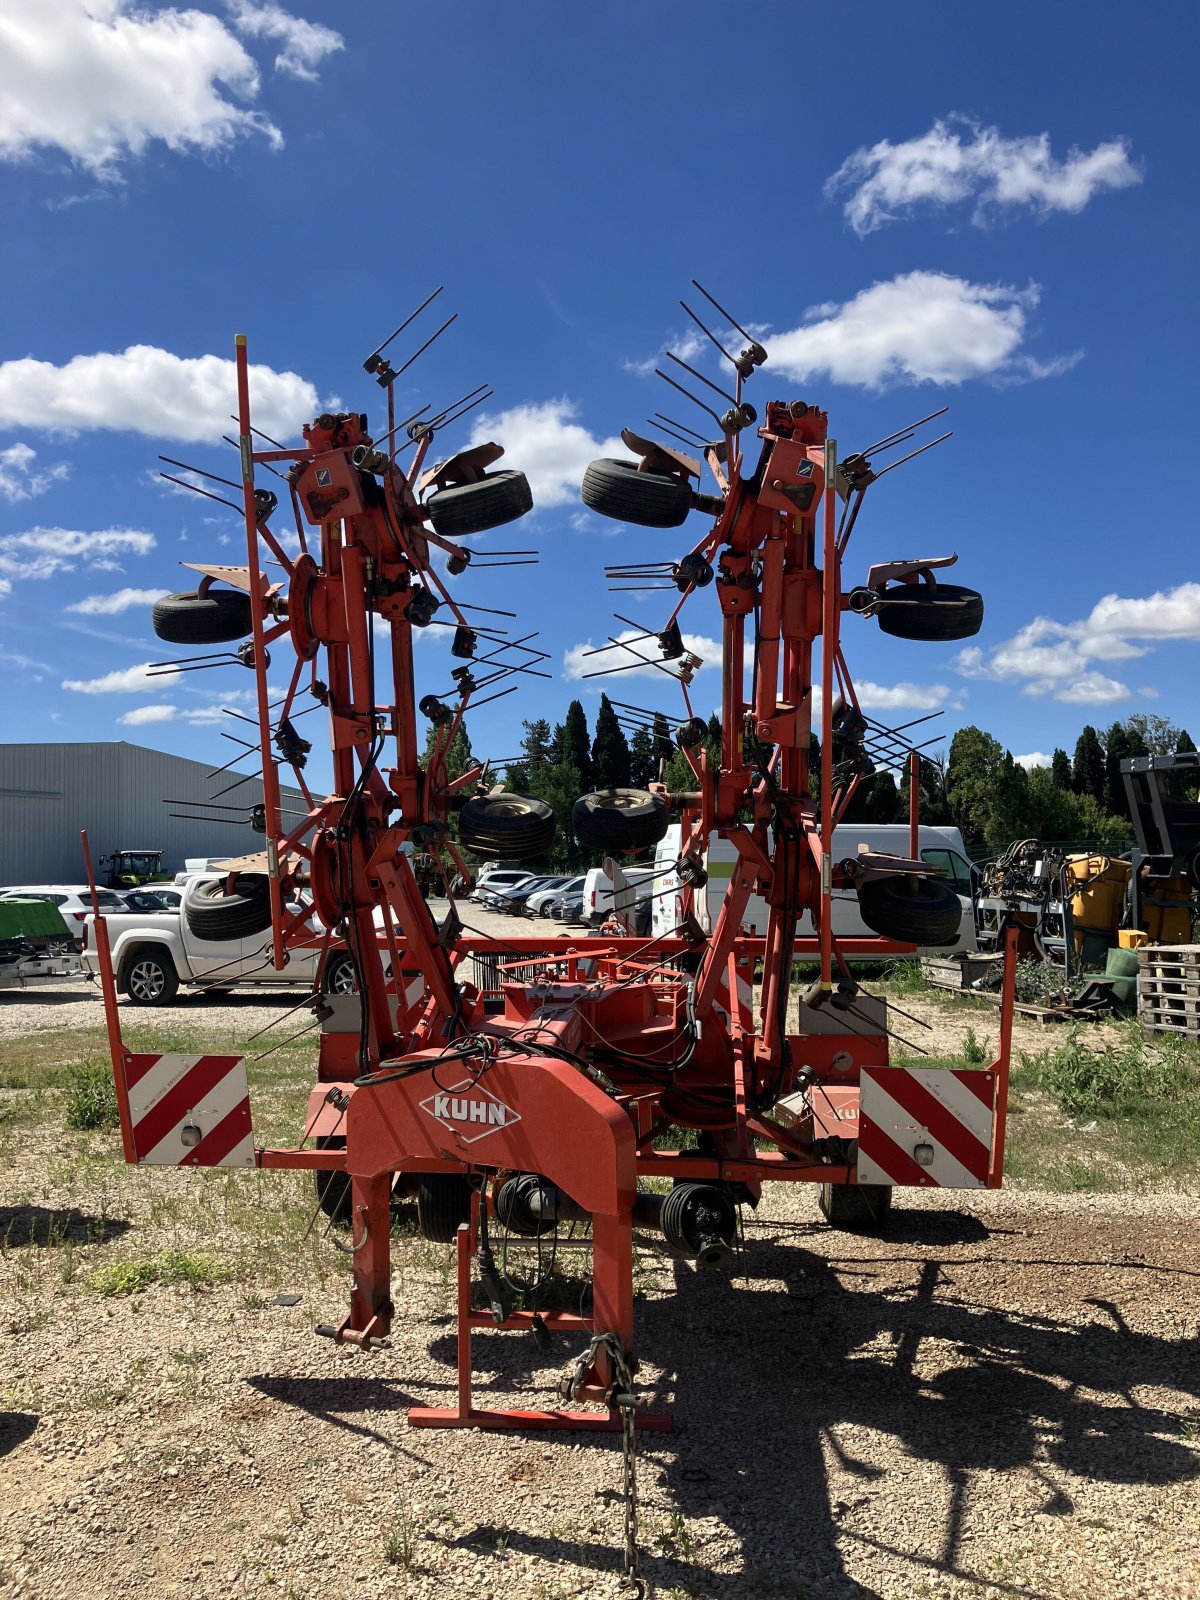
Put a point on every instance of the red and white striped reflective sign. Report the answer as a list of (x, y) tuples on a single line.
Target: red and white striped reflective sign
[(190, 1111), (925, 1127)]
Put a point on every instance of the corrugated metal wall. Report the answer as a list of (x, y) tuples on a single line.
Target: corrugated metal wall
[(48, 792)]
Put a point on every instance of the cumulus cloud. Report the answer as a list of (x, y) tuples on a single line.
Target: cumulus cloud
[(143, 714), (107, 605), (1047, 657), (637, 663), (959, 160), (920, 327), (304, 44), (43, 552), (20, 479), (1033, 758), (125, 680), (907, 696), (150, 391), (100, 80), (548, 446)]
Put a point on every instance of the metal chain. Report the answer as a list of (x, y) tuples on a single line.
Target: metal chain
[(622, 1397)]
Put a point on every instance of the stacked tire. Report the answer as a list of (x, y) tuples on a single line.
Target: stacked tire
[(506, 826), (619, 819)]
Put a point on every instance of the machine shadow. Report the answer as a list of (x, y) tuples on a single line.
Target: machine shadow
[(43, 1226), (342, 1400), (15, 1428)]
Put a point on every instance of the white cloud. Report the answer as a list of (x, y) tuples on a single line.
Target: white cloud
[(305, 44), (548, 446), (576, 662), (686, 345), (907, 696), (107, 605), (143, 714), (147, 390), (101, 80), (959, 160), (1034, 758), (1055, 658), (921, 327), (43, 552), (20, 479), (125, 680)]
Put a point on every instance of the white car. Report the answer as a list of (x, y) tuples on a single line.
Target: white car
[(563, 888), (74, 902), (501, 878)]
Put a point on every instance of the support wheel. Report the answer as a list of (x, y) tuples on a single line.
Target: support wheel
[(506, 825), (925, 911), (863, 1207), (217, 617), (619, 819), (443, 1204), (497, 498), (619, 490), (931, 611), (216, 916)]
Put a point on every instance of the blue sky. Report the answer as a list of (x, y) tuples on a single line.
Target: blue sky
[(980, 207)]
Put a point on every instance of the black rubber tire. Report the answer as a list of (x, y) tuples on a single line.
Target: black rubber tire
[(929, 913), (333, 1188), (149, 978), (443, 1204), (862, 1207), (506, 825), (497, 498), (335, 967), (619, 819), (1193, 869), (652, 499), (915, 612), (217, 617), (216, 916)]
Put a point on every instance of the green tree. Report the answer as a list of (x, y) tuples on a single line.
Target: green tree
[(559, 785), (712, 742), (1060, 769), (1120, 742), (570, 746), (536, 744), (1185, 785), (1157, 736), (610, 750), (664, 744), (1087, 768), (643, 768), (973, 771), (458, 754), (882, 798)]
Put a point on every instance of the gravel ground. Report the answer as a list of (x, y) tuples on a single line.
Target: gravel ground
[(1001, 1398)]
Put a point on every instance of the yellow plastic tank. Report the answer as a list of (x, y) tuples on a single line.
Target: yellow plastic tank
[(1096, 885)]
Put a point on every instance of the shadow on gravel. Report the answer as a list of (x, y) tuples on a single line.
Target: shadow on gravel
[(769, 1383), (343, 1401), (15, 1428), (44, 1226)]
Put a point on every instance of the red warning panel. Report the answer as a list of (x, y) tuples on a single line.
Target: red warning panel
[(190, 1111), (926, 1127)]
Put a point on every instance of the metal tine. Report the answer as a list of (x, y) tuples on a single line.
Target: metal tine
[(425, 346), (215, 476), (484, 633), (908, 427), (715, 387), (627, 705), (709, 333), (251, 777), (491, 610), (696, 284), (620, 644), (428, 300), (229, 765), (492, 566), (475, 704), (518, 644), (900, 726), (236, 446), (438, 419), (890, 444), (235, 740), (259, 433), (912, 454), (215, 807), (659, 373), (682, 426), (640, 588), (207, 493), (511, 666), (385, 437), (444, 422), (681, 438), (617, 644)]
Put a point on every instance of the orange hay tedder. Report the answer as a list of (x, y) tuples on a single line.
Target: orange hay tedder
[(587, 1069)]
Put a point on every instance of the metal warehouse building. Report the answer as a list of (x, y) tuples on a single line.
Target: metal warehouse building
[(119, 793)]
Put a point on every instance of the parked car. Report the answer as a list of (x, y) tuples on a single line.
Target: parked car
[(500, 878), (570, 909), (598, 889), (516, 901), (74, 902), (155, 952), (542, 900), (166, 898)]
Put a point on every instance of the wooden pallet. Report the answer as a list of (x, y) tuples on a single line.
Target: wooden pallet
[(1169, 988)]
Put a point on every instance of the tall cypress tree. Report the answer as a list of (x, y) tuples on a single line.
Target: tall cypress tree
[(1087, 769), (664, 745), (572, 748), (610, 750), (1060, 770), (643, 767)]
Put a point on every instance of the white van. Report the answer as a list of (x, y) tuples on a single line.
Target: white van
[(598, 888), (940, 847)]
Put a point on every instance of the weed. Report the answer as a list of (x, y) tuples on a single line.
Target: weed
[(676, 1538), (91, 1097), (976, 1051), (194, 1269), (399, 1542), (906, 977)]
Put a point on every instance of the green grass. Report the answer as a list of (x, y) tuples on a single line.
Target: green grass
[(187, 1268), (90, 1099)]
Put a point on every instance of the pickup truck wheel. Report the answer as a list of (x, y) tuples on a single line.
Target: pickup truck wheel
[(149, 978), (216, 916), (340, 976)]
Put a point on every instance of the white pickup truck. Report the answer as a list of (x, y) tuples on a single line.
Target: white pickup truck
[(153, 953)]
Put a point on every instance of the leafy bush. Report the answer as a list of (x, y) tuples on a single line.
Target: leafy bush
[(975, 1050), (1119, 1078), (91, 1097), (194, 1268)]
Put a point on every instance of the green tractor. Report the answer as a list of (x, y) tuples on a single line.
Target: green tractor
[(128, 869)]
